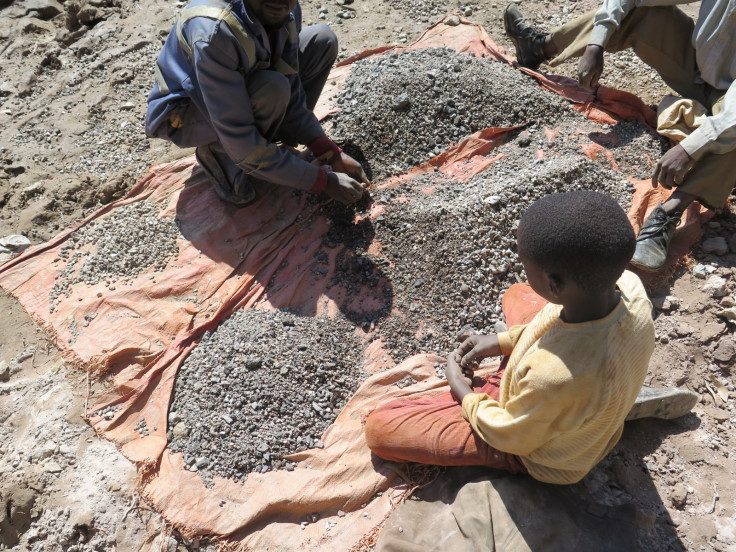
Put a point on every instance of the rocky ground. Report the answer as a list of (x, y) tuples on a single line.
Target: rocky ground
[(73, 80)]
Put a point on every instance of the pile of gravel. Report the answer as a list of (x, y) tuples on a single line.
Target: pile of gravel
[(451, 254), (402, 109), (131, 240), (263, 385)]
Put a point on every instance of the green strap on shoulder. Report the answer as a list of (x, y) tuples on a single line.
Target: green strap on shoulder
[(162, 86), (218, 14)]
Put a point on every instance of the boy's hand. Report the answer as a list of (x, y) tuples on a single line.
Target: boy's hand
[(477, 347), (459, 382)]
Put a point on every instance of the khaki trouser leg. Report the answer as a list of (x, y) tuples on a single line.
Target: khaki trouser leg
[(660, 36), (713, 177)]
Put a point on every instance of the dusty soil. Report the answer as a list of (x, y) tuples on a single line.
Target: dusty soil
[(73, 80)]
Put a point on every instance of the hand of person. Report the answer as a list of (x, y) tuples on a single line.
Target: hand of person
[(478, 347), (459, 382), (672, 168), (343, 188), (590, 67), (343, 163)]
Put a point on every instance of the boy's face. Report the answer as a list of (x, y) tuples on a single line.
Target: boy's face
[(272, 13)]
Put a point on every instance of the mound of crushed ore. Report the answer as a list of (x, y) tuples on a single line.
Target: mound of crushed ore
[(131, 240), (263, 385), (448, 248), (400, 110)]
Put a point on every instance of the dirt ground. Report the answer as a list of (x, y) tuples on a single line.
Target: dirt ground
[(73, 81)]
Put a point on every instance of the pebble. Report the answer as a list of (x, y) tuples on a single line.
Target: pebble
[(717, 245), (701, 271), (716, 286)]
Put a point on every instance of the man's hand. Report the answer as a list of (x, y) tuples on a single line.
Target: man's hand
[(460, 383), (343, 188), (590, 67), (672, 168), (477, 347), (343, 163)]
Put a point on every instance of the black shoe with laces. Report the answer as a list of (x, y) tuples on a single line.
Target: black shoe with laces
[(654, 239), (528, 41)]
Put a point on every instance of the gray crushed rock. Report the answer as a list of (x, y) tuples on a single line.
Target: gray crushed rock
[(131, 240), (402, 109), (263, 385), (451, 254)]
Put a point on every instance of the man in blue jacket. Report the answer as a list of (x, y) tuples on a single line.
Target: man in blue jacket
[(235, 77)]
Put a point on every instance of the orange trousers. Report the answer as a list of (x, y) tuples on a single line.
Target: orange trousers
[(432, 430)]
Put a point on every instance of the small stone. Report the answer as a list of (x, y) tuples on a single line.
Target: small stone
[(401, 102), (180, 431), (452, 21), (717, 245), (725, 351), (202, 462), (53, 467), (678, 496), (701, 271), (716, 286)]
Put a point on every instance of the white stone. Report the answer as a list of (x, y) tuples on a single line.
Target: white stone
[(715, 286), (717, 245)]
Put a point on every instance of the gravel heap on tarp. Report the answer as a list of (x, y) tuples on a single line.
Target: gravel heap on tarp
[(452, 253), (129, 241), (264, 384), (400, 110)]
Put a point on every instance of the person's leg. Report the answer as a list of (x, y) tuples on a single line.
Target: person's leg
[(712, 178), (432, 430), (710, 182), (317, 53), (269, 97), (657, 36)]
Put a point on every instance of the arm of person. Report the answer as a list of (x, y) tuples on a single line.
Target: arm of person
[(539, 409), (607, 19), (716, 135)]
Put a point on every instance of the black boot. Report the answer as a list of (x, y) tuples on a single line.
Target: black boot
[(654, 239), (528, 41)]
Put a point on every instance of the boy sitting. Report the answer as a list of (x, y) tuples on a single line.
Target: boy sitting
[(558, 403)]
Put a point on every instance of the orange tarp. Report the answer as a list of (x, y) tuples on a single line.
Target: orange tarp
[(145, 328)]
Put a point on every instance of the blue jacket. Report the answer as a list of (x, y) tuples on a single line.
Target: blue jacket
[(206, 60)]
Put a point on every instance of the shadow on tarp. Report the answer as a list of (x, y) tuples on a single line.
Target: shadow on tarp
[(316, 268), (146, 327)]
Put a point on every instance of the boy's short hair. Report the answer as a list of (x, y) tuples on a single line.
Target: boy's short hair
[(582, 234)]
